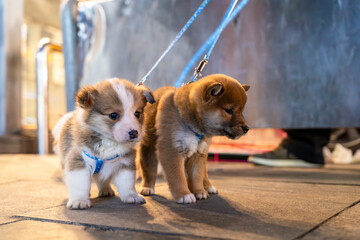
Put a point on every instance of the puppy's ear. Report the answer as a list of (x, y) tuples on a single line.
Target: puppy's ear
[(213, 90), (147, 94), (246, 87), (149, 97), (86, 97)]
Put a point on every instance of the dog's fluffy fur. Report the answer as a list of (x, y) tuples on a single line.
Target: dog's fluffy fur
[(212, 106), (107, 122)]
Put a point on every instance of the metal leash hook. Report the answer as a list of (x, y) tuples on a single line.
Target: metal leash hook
[(199, 68)]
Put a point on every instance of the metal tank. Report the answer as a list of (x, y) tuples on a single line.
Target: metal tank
[(301, 57)]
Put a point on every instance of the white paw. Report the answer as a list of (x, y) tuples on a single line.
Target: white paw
[(201, 195), (147, 191), (106, 192), (211, 190), (133, 198), (188, 198), (78, 204)]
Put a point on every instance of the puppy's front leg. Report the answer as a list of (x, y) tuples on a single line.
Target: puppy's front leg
[(173, 165), (207, 184), (195, 173), (78, 182), (125, 183), (203, 151)]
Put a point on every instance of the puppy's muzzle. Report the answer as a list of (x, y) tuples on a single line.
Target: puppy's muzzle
[(245, 129), (133, 134), (236, 132)]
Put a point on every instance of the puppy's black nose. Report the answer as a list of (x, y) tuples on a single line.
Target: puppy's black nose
[(245, 129), (133, 134)]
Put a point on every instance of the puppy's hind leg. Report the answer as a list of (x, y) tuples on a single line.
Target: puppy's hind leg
[(149, 164), (104, 187)]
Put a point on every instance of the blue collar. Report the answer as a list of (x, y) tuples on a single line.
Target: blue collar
[(99, 162), (199, 136)]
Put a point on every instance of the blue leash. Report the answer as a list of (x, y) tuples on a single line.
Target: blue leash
[(187, 25), (209, 44), (227, 14), (202, 64)]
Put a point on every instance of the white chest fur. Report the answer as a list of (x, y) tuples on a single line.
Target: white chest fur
[(187, 143), (107, 150), (108, 167)]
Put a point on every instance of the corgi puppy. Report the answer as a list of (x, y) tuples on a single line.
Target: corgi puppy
[(98, 138), (178, 129)]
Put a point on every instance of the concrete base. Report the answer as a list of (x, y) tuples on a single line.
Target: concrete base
[(253, 203)]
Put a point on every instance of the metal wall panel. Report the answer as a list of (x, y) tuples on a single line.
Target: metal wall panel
[(2, 71), (11, 17), (301, 57)]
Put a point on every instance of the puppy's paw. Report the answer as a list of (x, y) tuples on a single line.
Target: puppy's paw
[(188, 198), (133, 198), (78, 204), (211, 190), (147, 191), (201, 195), (106, 192)]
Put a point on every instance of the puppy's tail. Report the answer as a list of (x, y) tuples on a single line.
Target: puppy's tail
[(57, 129)]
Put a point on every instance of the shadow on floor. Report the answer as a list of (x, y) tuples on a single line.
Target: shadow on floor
[(331, 176), (217, 213)]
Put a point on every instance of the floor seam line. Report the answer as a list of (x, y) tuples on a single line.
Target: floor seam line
[(327, 220), (19, 220), (111, 228), (319, 183)]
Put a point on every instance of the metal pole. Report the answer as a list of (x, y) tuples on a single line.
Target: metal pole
[(68, 12), (42, 86)]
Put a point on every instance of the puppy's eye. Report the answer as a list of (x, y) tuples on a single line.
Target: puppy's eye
[(137, 114), (114, 115), (229, 111)]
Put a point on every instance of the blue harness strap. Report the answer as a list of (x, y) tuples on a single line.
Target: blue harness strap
[(99, 162), (199, 136), (98, 166)]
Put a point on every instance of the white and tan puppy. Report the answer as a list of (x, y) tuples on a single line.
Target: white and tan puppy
[(98, 139), (178, 131)]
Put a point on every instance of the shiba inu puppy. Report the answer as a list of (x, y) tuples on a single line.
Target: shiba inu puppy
[(97, 140), (178, 131)]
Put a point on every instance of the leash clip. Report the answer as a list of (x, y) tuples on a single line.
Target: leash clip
[(199, 68)]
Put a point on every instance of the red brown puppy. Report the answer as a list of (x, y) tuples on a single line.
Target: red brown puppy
[(178, 129)]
